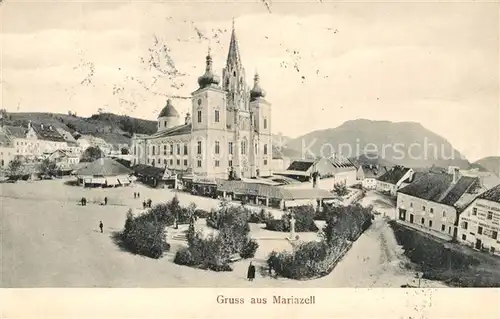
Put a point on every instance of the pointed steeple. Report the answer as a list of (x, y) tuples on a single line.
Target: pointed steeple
[(233, 55)]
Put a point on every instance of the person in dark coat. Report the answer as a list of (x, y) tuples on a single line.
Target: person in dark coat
[(101, 225), (138, 195), (83, 201), (251, 272), (135, 195), (105, 201), (149, 203), (143, 204)]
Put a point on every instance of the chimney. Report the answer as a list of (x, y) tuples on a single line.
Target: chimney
[(188, 118), (456, 174)]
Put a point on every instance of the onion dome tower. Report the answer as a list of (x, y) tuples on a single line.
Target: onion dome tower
[(256, 92), (209, 78), (168, 117)]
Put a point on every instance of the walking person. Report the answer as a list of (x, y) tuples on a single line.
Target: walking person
[(143, 204), (135, 195), (105, 201), (251, 272), (101, 225), (138, 195)]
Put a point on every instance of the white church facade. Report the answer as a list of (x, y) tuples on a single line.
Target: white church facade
[(229, 132)]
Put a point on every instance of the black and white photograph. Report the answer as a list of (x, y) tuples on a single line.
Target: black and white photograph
[(253, 144)]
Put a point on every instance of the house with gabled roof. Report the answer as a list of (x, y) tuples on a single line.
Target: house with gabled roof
[(393, 179), (433, 202)]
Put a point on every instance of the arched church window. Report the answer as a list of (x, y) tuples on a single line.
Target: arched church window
[(234, 73), (199, 101)]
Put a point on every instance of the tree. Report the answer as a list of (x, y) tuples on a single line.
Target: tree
[(340, 189), (15, 165), (91, 154), (48, 167), (124, 151)]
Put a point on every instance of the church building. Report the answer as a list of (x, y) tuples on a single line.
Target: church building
[(229, 133)]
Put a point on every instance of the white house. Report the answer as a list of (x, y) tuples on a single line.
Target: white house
[(478, 225), (394, 179)]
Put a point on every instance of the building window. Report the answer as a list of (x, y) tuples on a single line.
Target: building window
[(165, 161), (199, 163), (159, 161), (165, 149), (178, 162), (432, 211), (449, 230), (171, 162), (243, 147), (265, 149), (494, 234), (265, 123), (199, 147), (230, 163), (490, 215), (464, 225), (430, 223), (480, 230), (474, 211), (217, 147), (185, 149), (423, 208), (423, 221), (411, 204), (444, 213), (153, 150), (217, 119), (443, 227), (185, 162), (217, 163), (199, 116), (231, 148), (165, 124), (265, 162), (464, 237), (178, 149)]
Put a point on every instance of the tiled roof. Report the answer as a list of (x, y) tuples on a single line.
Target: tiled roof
[(372, 171), (271, 191), (394, 175), (492, 194), (147, 170), (302, 166), (174, 131), (16, 131), (341, 162), (439, 188), (103, 167), (48, 133)]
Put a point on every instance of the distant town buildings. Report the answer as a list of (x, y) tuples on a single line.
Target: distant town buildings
[(368, 175), (229, 133)]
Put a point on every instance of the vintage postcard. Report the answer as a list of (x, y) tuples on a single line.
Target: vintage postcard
[(256, 144)]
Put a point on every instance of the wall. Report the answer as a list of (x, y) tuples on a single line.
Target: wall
[(442, 216), (7, 154), (475, 216)]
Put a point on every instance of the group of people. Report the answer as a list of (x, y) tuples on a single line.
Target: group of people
[(83, 201)]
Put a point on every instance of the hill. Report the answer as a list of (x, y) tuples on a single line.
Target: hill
[(370, 159), (490, 164), (402, 143), (111, 127)]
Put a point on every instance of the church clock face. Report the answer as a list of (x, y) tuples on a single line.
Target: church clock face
[(199, 101)]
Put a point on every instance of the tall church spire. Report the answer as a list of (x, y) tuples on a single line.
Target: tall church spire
[(233, 56)]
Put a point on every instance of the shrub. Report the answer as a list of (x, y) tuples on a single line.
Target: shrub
[(211, 253), (201, 213), (249, 249), (340, 189), (304, 220), (262, 217)]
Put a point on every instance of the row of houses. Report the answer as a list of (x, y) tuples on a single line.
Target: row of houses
[(39, 141), (453, 205)]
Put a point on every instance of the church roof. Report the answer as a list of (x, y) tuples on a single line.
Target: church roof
[(103, 167), (256, 92), (174, 131), (169, 110), (209, 77)]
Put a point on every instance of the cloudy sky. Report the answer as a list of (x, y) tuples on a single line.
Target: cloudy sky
[(321, 63)]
